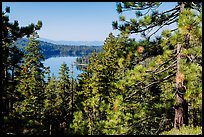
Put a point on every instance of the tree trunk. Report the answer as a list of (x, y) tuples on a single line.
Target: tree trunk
[(181, 111), (181, 107)]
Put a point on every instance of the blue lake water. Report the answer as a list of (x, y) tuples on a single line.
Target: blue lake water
[(56, 62)]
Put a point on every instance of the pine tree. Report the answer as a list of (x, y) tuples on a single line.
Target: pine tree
[(58, 103), (98, 90), (11, 59), (31, 87), (148, 16), (65, 92), (175, 45), (52, 111)]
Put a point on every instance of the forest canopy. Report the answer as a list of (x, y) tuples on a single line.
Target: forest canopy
[(129, 87)]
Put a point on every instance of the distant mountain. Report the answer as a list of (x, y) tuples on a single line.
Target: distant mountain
[(76, 43), (53, 50)]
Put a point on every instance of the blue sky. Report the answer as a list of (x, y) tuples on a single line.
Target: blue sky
[(70, 21)]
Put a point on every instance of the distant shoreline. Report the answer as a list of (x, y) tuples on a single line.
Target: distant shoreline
[(53, 50)]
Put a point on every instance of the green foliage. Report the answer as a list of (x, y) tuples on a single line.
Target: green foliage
[(151, 80), (31, 86), (144, 75), (51, 105), (98, 88), (58, 103), (117, 121), (11, 61), (149, 19), (128, 88), (78, 124), (65, 95)]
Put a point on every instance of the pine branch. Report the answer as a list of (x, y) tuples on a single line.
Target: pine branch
[(162, 64), (176, 8), (134, 8), (170, 66), (147, 11), (174, 29), (166, 78), (156, 24), (155, 82), (164, 25)]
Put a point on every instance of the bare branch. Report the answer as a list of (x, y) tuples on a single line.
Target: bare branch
[(147, 11), (156, 24), (175, 8), (166, 78), (142, 8), (171, 66), (174, 29), (163, 64)]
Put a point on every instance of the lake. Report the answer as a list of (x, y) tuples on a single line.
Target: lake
[(56, 62)]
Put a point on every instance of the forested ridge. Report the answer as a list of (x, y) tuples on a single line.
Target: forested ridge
[(149, 86), (53, 50)]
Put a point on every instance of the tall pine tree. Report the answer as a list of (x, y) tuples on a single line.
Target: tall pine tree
[(66, 95), (11, 59), (177, 49), (31, 89)]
